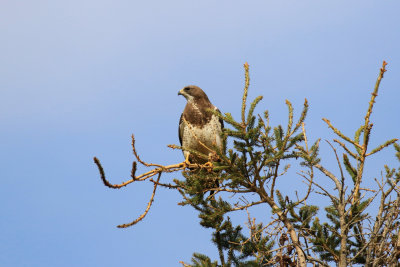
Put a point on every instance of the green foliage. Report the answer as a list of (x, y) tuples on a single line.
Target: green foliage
[(303, 218), (397, 147), (200, 260), (325, 240), (255, 149), (230, 241), (349, 168), (296, 236), (248, 174)]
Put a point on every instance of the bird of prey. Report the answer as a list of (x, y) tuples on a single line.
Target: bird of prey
[(199, 129)]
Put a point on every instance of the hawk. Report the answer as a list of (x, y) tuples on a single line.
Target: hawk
[(199, 129)]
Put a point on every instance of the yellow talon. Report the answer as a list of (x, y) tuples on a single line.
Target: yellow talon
[(187, 162), (208, 164)]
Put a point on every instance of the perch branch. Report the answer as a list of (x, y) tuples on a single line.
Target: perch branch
[(144, 176)]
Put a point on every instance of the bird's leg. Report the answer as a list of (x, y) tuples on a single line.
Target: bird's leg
[(187, 162), (212, 157), (209, 165)]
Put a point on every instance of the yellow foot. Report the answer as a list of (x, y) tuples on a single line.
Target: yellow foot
[(187, 162), (208, 165)]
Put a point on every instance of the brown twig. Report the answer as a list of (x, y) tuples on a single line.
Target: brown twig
[(141, 217), (138, 158), (142, 177)]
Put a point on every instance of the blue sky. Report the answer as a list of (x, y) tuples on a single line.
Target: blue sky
[(77, 78)]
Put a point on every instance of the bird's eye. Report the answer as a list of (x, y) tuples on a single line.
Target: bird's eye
[(186, 88)]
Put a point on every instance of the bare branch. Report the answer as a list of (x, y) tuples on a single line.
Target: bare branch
[(340, 167), (329, 174), (142, 177), (141, 217)]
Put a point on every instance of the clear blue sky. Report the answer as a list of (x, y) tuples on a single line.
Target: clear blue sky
[(77, 78)]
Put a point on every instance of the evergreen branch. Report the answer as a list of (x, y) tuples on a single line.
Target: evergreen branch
[(379, 148), (169, 186), (224, 189), (290, 119), (346, 148), (357, 138), (229, 119), (252, 165), (305, 136), (187, 200), (235, 134), (192, 151), (200, 260), (247, 205), (264, 126), (302, 116), (336, 131), (397, 148), (372, 101), (367, 131), (278, 135), (253, 106), (141, 217), (275, 175), (350, 169), (246, 88), (220, 251)]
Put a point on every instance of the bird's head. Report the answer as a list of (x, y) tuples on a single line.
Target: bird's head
[(192, 92)]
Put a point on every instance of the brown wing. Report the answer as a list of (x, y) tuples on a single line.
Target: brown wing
[(220, 120), (180, 129)]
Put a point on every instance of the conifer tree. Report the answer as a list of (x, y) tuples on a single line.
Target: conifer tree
[(359, 226)]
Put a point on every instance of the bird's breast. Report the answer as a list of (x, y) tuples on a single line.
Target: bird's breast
[(203, 137)]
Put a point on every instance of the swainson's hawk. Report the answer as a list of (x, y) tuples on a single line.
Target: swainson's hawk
[(199, 129)]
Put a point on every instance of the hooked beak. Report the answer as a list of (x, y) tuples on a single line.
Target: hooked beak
[(180, 92)]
